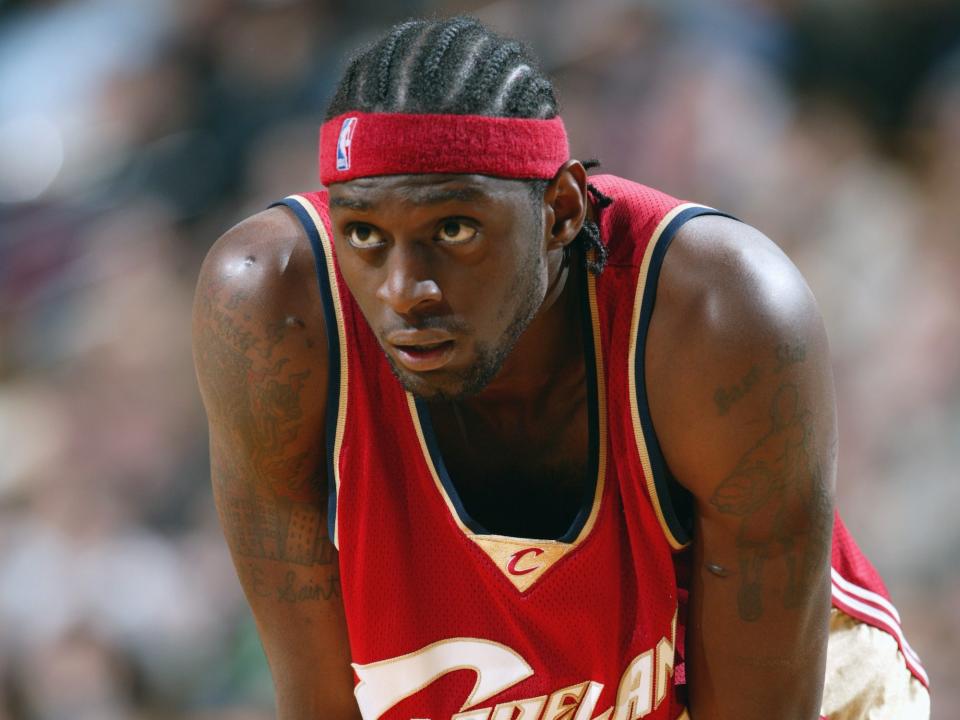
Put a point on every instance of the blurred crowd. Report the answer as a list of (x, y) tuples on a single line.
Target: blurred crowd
[(134, 132)]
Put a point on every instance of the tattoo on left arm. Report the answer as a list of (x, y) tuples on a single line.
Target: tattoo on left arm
[(777, 489), (727, 397)]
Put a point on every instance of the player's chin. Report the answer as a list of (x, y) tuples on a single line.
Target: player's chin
[(435, 385), (452, 373)]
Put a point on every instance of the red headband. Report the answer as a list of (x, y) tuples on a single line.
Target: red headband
[(356, 144)]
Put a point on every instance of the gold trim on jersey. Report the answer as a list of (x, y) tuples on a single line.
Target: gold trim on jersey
[(601, 389), (638, 310), (342, 336), (521, 560)]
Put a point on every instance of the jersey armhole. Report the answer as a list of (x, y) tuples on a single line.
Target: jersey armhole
[(672, 503), (319, 238)]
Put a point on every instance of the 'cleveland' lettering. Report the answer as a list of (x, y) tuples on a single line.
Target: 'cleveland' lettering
[(643, 686)]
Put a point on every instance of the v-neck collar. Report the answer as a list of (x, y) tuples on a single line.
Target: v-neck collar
[(524, 560)]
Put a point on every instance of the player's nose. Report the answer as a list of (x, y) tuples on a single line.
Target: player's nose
[(407, 284)]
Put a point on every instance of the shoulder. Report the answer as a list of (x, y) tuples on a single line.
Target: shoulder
[(267, 254), (257, 310), (262, 273), (734, 323), (725, 280)]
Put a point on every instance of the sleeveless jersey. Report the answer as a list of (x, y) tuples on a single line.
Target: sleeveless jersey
[(449, 621)]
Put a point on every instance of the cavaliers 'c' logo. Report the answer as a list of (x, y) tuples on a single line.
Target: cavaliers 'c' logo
[(512, 566)]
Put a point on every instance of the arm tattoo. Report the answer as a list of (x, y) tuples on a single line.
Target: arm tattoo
[(726, 397), (777, 489), (262, 525), (252, 385), (293, 590), (788, 355)]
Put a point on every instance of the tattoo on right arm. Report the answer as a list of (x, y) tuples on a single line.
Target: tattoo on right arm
[(292, 589), (254, 387), (262, 525)]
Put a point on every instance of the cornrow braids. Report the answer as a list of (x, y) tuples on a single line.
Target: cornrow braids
[(496, 67), (386, 57), (433, 62), (459, 66), (526, 88), (589, 236)]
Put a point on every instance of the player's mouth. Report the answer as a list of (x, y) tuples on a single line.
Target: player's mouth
[(422, 351)]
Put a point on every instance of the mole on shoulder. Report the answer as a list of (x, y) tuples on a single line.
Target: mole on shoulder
[(249, 260)]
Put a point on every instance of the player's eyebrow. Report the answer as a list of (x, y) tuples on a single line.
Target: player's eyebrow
[(350, 203), (416, 196), (436, 196)]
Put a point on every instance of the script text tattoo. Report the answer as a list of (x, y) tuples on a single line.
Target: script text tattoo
[(778, 490)]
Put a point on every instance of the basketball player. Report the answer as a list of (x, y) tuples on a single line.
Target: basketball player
[(533, 447)]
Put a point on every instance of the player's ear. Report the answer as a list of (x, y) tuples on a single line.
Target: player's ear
[(565, 203)]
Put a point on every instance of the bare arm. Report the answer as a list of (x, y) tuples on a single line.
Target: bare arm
[(741, 394), (261, 356)]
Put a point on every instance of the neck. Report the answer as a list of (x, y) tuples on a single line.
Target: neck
[(550, 350)]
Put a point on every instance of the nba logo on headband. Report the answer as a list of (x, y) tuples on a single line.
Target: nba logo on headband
[(344, 142), (411, 143)]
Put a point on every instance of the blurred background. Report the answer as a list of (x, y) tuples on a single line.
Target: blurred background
[(134, 132)]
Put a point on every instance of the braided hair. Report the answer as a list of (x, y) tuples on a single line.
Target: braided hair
[(458, 66)]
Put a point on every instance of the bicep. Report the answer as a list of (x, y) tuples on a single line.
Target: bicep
[(745, 414), (259, 349)]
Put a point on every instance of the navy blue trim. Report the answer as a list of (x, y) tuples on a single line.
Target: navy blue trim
[(593, 414), (333, 343), (433, 447), (676, 503), (593, 432)]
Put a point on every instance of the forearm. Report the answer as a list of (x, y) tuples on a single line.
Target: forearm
[(756, 644), (289, 571)]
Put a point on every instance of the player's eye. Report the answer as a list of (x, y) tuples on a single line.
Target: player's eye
[(454, 231), (364, 236)]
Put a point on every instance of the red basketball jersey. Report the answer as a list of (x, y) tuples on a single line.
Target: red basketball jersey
[(449, 621)]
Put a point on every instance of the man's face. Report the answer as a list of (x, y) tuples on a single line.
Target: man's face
[(448, 271)]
